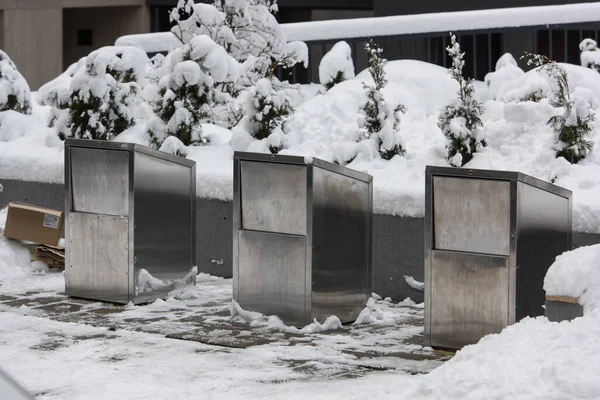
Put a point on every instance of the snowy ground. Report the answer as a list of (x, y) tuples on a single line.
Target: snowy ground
[(61, 348), (190, 346)]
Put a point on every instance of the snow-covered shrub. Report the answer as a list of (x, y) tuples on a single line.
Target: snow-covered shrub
[(266, 109), (246, 29), (507, 70), (95, 97), (14, 90), (185, 95), (336, 66), (461, 121), (380, 120), (590, 54), (574, 122)]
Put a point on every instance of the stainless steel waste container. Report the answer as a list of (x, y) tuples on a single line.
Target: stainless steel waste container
[(301, 237), (130, 221), (490, 237)]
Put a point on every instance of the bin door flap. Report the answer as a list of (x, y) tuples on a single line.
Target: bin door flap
[(469, 297)]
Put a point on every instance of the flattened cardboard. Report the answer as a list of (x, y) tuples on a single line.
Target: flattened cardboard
[(33, 224)]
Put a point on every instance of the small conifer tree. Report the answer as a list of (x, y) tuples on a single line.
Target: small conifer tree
[(380, 120), (574, 123), (590, 54), (186, 96), (461, 121)]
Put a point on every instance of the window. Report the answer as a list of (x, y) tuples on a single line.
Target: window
[(84, 37)]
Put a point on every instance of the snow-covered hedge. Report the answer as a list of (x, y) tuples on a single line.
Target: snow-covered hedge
[(14, 90), (95, 98)]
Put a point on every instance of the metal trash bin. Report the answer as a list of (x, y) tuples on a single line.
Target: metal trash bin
[(490, 237), (301, 237), (130, 221)]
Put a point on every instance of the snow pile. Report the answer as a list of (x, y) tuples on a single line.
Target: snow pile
[(506, 71), (14, 257), (576, 274), (147, 283), (336, 65), (255, 319), (369, 314), (413, 283), (29, 150), (534, 85), (331, 323), (534, 359)]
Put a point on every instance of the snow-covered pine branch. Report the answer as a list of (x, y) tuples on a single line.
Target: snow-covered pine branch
[(380, 120), (461, 121), (248, 31), (14, 90), (575, 119)]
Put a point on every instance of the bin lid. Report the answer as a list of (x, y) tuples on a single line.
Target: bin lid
[(299, 160), (133, 147), (499, 175)]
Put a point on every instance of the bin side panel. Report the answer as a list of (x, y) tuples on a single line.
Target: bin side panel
[(100, 181), (273, 197), (341, 266), (97, 257), (471, 215), (163, 226), (272, 272), (469, 297), (543, 232)]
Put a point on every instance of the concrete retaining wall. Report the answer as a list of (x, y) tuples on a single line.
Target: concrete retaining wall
[(398, 242)]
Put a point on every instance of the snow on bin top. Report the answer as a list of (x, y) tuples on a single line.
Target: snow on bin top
[(576, 274)]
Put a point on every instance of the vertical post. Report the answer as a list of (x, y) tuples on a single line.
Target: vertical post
[(428, 57), (444, 59), (565, 47), (475, 56), (550, 52), (489, 51)]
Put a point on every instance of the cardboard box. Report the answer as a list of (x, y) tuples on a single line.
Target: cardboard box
[(34, 224)]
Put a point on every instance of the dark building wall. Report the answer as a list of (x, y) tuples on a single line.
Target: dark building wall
[(386, 7)]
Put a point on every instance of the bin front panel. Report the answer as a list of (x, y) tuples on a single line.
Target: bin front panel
[(272, 275), (471, 215), (341, 245), (469, 297), (98, 257), (273, 197), (100, 181)]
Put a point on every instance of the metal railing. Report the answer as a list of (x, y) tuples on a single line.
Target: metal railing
[(482, 48)]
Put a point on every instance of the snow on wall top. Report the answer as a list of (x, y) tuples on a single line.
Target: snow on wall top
[(150, 42), (442, 22), (403, 24)]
